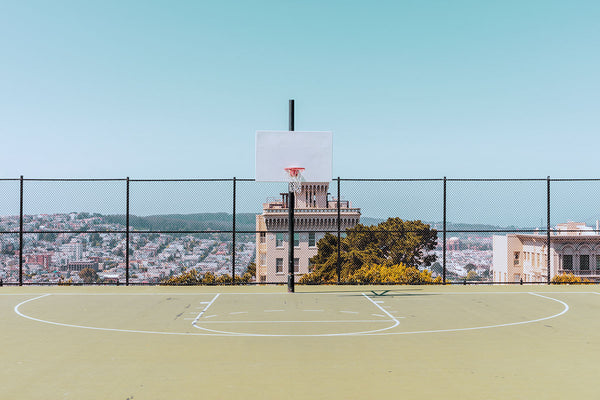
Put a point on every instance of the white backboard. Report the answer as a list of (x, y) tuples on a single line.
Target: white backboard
[(277, 150)]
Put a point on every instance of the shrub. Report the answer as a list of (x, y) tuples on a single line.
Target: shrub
[(193, 277), (379, 273), (569, 278), (397, 273)]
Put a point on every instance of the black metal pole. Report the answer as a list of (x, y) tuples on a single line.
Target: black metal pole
[(291, 204), (291, 201), (126, 236), (548, 228), (291, 108), (21, 234), (233, 238), (338, 266), (444, 235)]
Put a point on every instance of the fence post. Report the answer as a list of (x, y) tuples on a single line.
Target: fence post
[(548, 228), (233, 238), (291, 206), (126, 236), (338, 267), (21, 234), (444, 236)]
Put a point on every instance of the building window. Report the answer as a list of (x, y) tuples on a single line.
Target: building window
[(568, 262), (263, 278), (263, 259), (279, 240), (296, 240), (312, 240), (597, 263), (279, 265), (311, 265), (263, 237), (296, 264), (584, 262)]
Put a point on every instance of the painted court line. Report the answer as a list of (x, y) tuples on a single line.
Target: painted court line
[(350, 312), (205, 308), (337, 321), (382, 309), (375, 332), (243, 334), (565, 309), (94, 328)]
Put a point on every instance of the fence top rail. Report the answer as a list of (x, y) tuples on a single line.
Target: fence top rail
[(186, 180), (497, 179), (335, 179), (576, 180), (75, 179), (391, 179)]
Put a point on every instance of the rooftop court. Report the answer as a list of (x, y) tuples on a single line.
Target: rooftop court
[(325, 342)]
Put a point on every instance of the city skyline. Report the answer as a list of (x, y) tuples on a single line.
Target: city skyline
[(522, 204)]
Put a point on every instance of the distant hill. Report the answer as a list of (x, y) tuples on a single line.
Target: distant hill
[(188, 222), (247, 222), (485, 229)]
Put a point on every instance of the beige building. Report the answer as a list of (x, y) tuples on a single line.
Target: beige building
[(314, 214), (574, 248)]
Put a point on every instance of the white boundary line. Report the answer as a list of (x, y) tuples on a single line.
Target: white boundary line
[(367, 333), (488, 326), (381, 308), (338, 321), (16, 309), (307, 335), (205, 308)]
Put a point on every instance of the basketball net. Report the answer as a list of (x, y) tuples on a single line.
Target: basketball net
[(295, 179)]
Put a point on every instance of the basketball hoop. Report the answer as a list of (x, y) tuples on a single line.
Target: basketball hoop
[(295, 178)]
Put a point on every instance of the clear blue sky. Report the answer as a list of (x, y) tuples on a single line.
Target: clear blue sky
[(410, 88), (163, 89)]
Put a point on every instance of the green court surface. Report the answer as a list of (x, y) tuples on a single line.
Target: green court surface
[(322, 342)]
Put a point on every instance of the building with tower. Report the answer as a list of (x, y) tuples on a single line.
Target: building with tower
[(314, 215)]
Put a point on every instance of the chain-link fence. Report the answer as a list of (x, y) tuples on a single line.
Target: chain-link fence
[(133, 231)]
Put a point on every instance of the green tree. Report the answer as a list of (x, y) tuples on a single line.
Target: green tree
[(470, 267), (48, 236), (251, 269), (88, 275), (392, 242), (472, 275), (95, 239), (437, 268)]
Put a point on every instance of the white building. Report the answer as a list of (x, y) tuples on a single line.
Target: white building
[(314, 214), (574, 248), (73, 251)]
